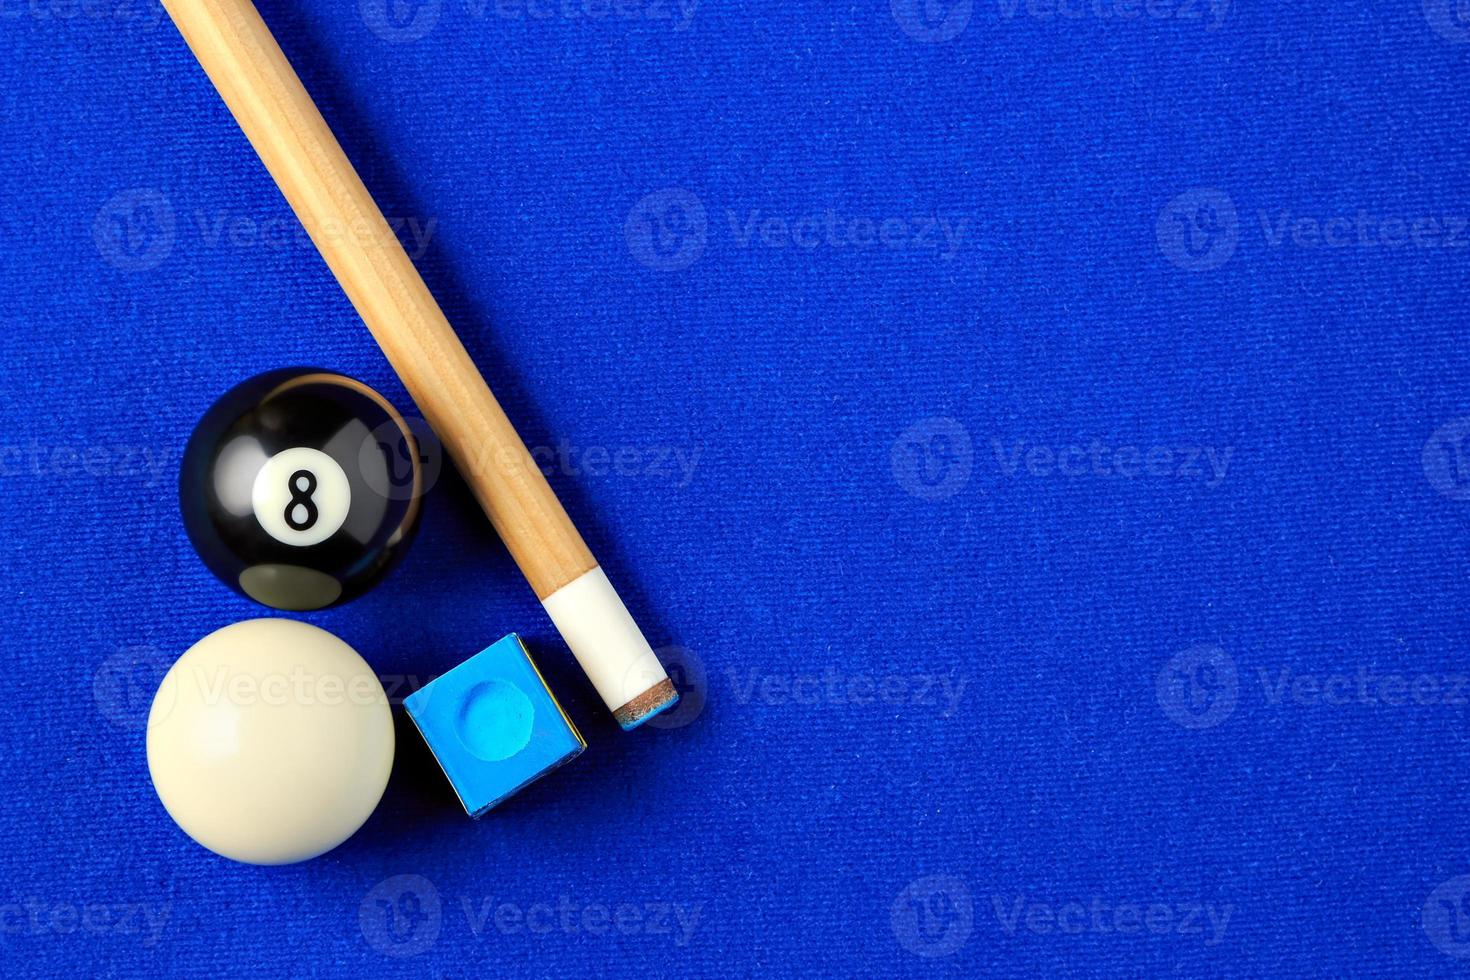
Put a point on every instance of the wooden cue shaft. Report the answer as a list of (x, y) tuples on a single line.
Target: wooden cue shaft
[(278, 116)]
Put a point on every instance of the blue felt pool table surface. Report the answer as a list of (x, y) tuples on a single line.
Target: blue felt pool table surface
[(1034, 433)]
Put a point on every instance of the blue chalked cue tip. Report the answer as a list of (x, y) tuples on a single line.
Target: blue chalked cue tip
[(494, 725)]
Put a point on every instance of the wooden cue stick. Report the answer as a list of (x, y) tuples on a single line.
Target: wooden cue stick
[(267, 99)]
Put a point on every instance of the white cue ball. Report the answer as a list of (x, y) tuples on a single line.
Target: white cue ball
[(270, 741)]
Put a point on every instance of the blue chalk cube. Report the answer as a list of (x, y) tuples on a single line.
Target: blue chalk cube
[(494, 725)]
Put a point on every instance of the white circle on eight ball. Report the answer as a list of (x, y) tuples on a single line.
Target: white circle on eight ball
[(301, 496)]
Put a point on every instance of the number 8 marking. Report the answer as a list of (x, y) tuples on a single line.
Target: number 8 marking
[(301, 497)]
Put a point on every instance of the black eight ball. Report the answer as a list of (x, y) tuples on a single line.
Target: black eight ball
[(300, 488)]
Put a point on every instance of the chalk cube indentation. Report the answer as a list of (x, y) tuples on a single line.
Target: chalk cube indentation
[(493, 725)]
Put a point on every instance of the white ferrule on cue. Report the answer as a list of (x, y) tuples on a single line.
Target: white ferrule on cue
[(609, 645), (267, 99)]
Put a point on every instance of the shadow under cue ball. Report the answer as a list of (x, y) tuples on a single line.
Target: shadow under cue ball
[(300, 488), (270, 741)]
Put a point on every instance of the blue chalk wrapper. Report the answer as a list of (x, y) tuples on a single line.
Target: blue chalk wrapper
[(493, 725)]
